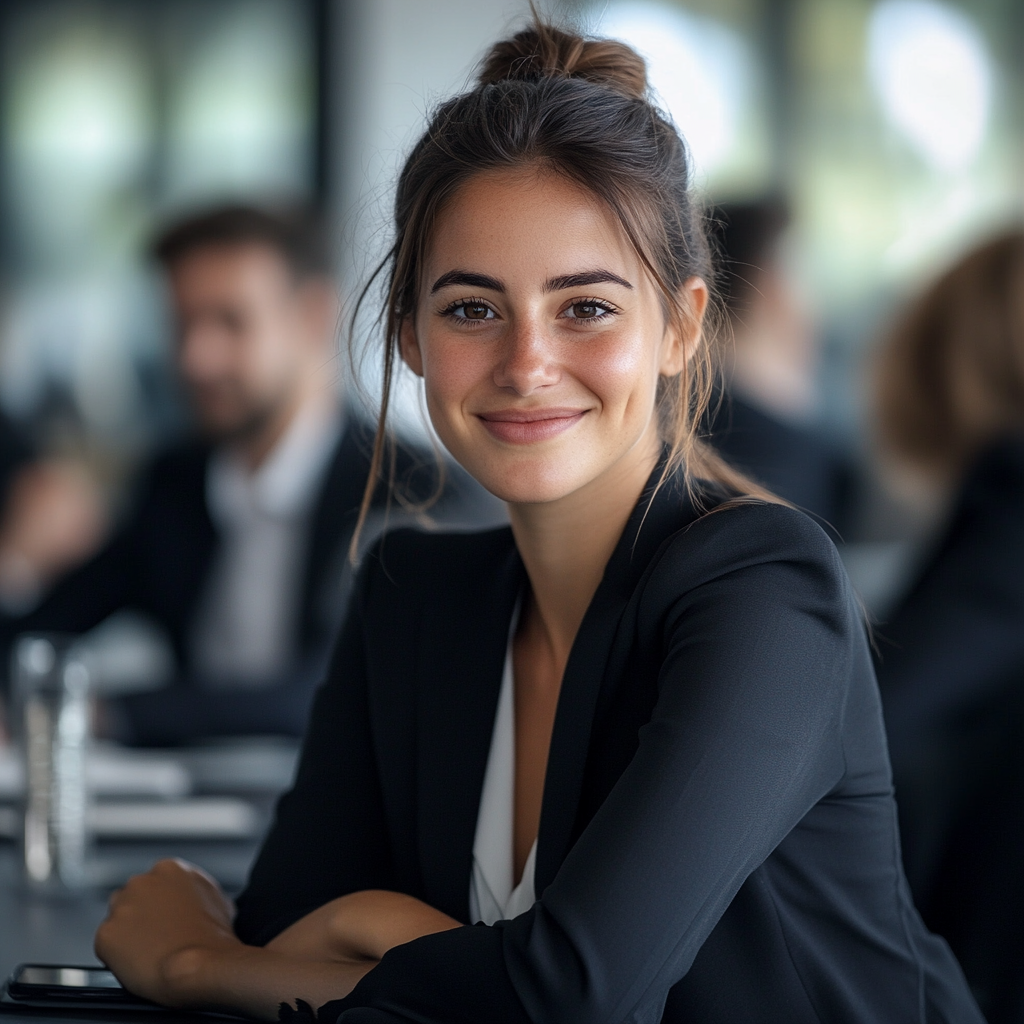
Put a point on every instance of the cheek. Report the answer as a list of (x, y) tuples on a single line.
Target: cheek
[(453, 368), (271, 354), (619, 370)]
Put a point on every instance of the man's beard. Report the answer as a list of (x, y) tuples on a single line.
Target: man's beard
[(250, 424)]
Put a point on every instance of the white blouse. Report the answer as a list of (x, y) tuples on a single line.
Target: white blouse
[(492, 896)]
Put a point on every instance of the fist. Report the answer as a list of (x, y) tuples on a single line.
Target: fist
[(162, 929)]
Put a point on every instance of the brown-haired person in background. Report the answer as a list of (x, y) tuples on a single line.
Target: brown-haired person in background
[(950, 393), (624, 759), (765, 422), (237, 545)]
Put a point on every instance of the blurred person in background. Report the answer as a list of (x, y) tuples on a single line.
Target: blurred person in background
[(237, 546), (52, 517), (762, 425), (950, 396)]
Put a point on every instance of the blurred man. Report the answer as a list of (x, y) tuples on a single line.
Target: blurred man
[(237, 546), (764, 424)]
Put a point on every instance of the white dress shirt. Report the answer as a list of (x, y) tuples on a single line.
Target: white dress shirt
[(492, 895), (242, 634)]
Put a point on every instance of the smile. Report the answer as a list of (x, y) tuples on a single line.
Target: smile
[(517, 426)]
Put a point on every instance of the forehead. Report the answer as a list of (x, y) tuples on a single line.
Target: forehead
[(234, 266), (529, 221)]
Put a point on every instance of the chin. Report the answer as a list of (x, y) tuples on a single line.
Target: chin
[(531, 474), (219, 428), (530, 481)]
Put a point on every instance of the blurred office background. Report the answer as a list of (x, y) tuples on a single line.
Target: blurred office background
[(116, 115), (893, 127)]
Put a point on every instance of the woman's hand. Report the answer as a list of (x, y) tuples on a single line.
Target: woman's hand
[(161, 929), (168, 937), (361, 925)]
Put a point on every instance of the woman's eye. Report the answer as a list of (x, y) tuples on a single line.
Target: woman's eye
[(472, 311), (587, 310)]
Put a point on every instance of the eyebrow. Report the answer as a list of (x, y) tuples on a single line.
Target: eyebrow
[(554, 284), (557, 284), (467, 278)]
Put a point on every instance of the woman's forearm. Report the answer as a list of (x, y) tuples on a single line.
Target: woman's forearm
[(319, 958), (360, 926), (255, 980)]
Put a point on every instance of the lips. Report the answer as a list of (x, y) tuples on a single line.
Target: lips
[(527, 426)]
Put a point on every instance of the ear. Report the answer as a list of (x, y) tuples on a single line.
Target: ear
[(409, 346), (681, 340)]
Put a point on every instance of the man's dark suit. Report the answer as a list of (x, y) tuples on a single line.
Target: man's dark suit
[(158, 563), (951, 671), (717, 838), (795, 462)]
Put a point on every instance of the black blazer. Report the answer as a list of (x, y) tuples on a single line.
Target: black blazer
[(951, 671), (159, 561), (718, 836)]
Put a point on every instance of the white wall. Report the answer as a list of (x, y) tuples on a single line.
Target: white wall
[(403, 56)]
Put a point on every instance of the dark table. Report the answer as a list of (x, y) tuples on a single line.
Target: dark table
[(40, 929), (46, 929)]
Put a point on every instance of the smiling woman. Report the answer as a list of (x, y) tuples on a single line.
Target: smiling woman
[(623, 760), (559, 347)]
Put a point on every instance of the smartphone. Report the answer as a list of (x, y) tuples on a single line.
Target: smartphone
[(62, 984)]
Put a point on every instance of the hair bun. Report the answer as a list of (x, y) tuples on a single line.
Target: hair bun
[(543, 51)]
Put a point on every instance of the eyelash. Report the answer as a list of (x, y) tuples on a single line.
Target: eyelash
[(607, 309), (449, 310)]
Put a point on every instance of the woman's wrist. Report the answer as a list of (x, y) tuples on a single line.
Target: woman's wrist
[(255, 980), (206, 976)]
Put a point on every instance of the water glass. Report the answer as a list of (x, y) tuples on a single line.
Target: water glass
[(52, 686)]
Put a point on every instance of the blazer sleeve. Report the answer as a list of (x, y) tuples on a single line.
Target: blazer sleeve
[(329, 835), (758, 632)]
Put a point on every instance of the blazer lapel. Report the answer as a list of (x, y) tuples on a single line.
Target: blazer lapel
[(596, 656), (459, 685)]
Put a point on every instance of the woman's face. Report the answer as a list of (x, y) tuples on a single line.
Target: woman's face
[(540, 337)]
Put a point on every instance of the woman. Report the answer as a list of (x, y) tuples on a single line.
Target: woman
[(623, 761), (951, 656)]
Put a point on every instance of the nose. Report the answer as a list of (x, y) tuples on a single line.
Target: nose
[(529, 359), (199, 353)]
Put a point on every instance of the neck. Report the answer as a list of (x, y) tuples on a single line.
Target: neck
[(565, 544)]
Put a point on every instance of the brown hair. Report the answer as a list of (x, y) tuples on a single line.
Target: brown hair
[(950, 376), (295, 233), (580, 107)]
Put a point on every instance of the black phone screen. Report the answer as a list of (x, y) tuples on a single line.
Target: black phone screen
[(72, 987), (74, 978), (69, 984)]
